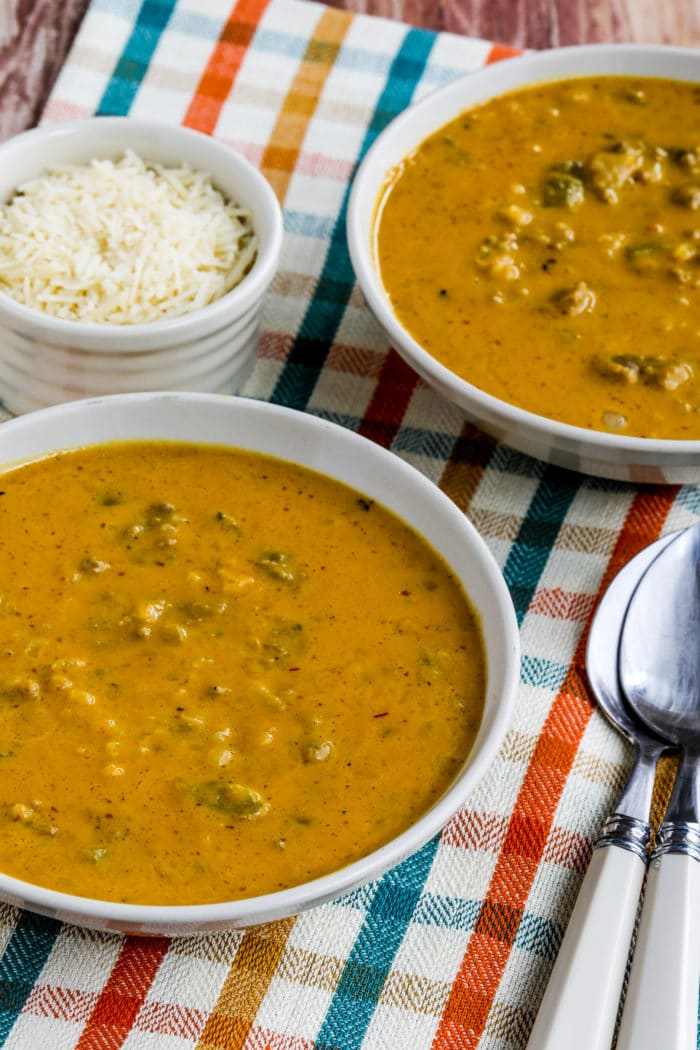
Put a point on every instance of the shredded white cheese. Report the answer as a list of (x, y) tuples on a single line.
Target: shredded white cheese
[(122, 242)]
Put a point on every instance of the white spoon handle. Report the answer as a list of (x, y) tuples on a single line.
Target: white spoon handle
[(661, 1006), (581, 1001)]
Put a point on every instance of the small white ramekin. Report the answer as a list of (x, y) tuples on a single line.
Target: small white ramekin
[(46, 360)]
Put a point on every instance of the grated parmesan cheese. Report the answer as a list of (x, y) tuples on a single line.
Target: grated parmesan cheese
[(122, 242)]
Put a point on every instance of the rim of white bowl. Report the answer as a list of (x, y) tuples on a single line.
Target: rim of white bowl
[(322, 439), (490, 82), (119, 133)]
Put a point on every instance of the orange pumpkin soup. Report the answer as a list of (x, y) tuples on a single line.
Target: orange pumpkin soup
[(545, 247), (220, 674)]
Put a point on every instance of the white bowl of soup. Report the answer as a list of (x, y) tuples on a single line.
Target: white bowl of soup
[(134, 256), (527, 237), (250, 661)]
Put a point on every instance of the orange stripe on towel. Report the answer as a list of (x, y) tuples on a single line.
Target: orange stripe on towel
[(284, 146), (500, 51), (222, 68), (245, 986), (123, 996), (476, 984)]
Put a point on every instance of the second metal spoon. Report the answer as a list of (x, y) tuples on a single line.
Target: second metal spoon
[(580, 1004), (659, 664)]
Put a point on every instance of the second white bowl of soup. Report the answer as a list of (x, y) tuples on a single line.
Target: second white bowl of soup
[(528, 238), (268, 660)]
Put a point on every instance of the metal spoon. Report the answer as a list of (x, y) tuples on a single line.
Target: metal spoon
[(581, 1002), (660, 675)]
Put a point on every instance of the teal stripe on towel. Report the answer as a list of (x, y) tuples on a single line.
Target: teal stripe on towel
[(21, 964), (132, 66)]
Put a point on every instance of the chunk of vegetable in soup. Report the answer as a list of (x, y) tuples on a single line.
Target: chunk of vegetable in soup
[(220, 675), (545, 246)]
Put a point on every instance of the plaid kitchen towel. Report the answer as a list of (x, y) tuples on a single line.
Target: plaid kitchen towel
[(452, 949)]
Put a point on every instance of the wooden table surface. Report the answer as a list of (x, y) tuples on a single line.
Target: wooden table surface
[(35, 34)]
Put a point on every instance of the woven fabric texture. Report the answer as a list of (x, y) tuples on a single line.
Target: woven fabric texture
[(452, 949)]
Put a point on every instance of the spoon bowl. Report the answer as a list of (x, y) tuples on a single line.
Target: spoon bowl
[(660, 644), (602, 652)]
